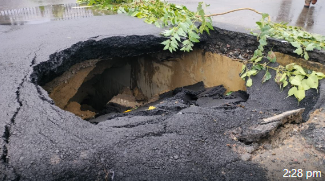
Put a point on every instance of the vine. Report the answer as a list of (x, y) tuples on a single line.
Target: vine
[(178, 21), (182, 31), (299, 78)]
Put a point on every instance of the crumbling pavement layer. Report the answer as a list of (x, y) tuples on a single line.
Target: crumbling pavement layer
[(43, 142)]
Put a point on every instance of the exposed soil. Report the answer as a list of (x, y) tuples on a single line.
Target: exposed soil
[(63, 88), (98, 84), (75, 108), (289, 149)]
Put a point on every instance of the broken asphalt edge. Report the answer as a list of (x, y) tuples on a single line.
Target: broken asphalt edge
[(61, 61)]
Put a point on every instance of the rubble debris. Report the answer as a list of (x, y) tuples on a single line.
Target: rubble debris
[(267, 126)]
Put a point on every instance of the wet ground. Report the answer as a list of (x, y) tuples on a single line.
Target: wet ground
[(40, 141), (42, 12), (16, 4), (290, 11)]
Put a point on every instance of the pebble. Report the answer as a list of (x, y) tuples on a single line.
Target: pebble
[(246, 156), (294, 162), (267, 146), (249, 149), (241, 57), (307, 155)]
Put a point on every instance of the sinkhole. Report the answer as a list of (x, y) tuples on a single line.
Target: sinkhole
[(101, 86), (101, 76)]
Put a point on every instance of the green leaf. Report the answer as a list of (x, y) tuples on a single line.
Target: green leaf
[(271, 56), (174, 43), (283, 77), (263, 41), (295, 81), (181, 32), (305, 85), (194, 39), (243, 68), (166, 47), (253, 58), (209, 25), (290, 67), (266, 77), (194, 35), (312, 81), (296, 44), (292, 91), (157, 24), (265, 15), (310, 47), (320, 75), (168, 32), (177, 37), (298, 51), (258, 53), (136, 13), (299, 69), (186, 42), (258, 67), (300, 95), (229, 93), (184, 26), (258, 59), (165, 42), (249, 82), (251, 72), (243, 76), (285, 83), (306, 55), (279, 77), (121, 10), (259, 24)]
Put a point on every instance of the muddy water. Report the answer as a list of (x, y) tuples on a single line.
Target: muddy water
[(35, 12), (16, 4)]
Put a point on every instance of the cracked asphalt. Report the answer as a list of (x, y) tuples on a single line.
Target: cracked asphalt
[(42, 142)]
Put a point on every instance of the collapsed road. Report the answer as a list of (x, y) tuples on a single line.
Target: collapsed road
[(191, 135)]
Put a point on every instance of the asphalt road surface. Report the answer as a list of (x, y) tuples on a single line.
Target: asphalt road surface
[(42, 142)]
